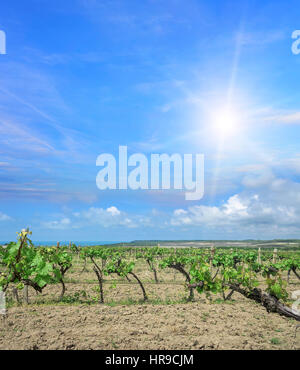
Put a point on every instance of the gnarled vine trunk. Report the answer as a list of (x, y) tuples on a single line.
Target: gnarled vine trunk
[(151, 265), (141, 285), (295, 272), (191, 287), (271, 303), (99, 275)]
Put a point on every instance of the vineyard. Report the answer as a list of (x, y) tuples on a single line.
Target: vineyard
[(130, 296)]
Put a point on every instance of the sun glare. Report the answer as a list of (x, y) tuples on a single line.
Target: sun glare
[(225, 123)]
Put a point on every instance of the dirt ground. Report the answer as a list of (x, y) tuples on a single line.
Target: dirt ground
[(123, 322), (178, 326)]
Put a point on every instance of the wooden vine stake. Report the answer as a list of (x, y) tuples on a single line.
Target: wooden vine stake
[(212, 253), (259, 256), (25, 294), (275, 256)]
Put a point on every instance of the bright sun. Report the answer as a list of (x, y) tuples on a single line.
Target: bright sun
[(225, 122)]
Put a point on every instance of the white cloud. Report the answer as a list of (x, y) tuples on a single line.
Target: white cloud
[(235, 205), (264, 209), (113, 211), (94, 216), (108, 217), (4, 217), (286, 118), (292, 164), (273, 208), (258, 178), (62, 224), (179, 212)]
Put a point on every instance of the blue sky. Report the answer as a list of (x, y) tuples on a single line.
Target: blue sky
[(82, 77)]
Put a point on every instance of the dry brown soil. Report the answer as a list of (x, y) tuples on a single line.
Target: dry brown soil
[(124, 323)]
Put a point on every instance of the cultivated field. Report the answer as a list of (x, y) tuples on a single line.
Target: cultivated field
[(166, 320)]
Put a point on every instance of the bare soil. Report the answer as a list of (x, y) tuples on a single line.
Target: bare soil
[(123, 322)]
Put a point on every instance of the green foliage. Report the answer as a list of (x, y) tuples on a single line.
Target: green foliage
[(206, 271), (277, 287), (119, 266), (28, 265), (275, 341)]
